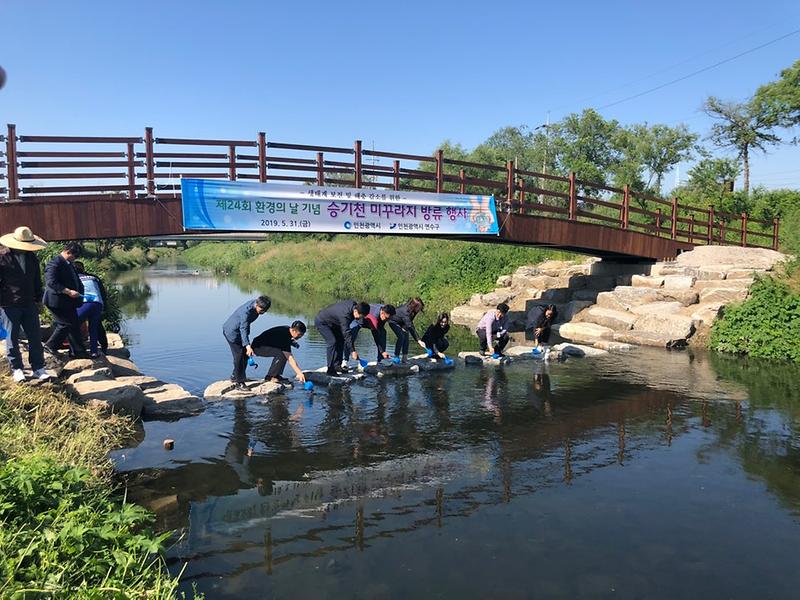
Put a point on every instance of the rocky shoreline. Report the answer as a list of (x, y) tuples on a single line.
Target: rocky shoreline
[(615, 306)]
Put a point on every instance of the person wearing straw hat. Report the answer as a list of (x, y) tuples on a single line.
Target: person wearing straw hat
[(20, 295)]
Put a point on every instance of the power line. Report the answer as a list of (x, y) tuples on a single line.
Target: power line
[(703, 70)]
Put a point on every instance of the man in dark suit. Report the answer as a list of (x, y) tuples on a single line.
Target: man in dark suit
[(237, 333), (63, 294)]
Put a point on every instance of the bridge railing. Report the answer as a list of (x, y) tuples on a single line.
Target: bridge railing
[(48, 167)]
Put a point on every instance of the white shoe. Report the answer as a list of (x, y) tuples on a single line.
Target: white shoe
[(18, 375), (41, 374)]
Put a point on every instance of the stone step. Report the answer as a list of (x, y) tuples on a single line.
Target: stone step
[(645, 281), (672, 326), (740, 284), (613, 319), (585, 332), (723, 295), (648, 338), (658, 308)]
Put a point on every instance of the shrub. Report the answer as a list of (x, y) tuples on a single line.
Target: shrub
[(766, 325)]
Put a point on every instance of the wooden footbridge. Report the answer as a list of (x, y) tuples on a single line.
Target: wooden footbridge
[(85, 187)]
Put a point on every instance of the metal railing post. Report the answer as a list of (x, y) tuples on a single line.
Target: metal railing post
[(357, 163), (262, 157), (150, 169), (573, 200), (12, 173)]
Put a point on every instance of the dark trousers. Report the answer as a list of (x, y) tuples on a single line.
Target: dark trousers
[(66, 327), (441, 344), (334, 341), (497, 343), (26, 318), (91, 312), (278, 359), (401, 346), (544, 336), (239, 362)]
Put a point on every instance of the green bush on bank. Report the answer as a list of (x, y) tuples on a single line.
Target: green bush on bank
[(766, 325), (391, 269), (65, 531)]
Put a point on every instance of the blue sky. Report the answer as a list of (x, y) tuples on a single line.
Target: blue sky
[(403, 75)]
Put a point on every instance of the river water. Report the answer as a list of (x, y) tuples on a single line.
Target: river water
[(641, 475)]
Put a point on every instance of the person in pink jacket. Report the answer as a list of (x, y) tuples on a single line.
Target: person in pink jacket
[(492, 330)]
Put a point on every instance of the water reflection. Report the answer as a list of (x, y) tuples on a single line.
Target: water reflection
[(591, 478)]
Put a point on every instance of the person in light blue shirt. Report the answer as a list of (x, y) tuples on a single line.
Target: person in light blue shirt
[(237, 333), (91, 311)]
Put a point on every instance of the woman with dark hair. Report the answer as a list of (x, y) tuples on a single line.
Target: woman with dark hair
[(435, 336), (402, 323), (539, 322)]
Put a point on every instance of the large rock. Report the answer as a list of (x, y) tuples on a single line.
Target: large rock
[(727, 283), (744, 273), (110, 396), (611, 301), (76, 365), (678, 282), (613, 319), (613, 346), (122, 367), (718, 272), (743, 258), (675, 327), (475, 358), (586, 295), (704, 314), (585, 332), (556, 268), (170, 401), (723, 295), (685, 297), (658, 308), (503, 281), (114, 341), (647, 282), (496, 297), (319, 377), (98, 374), (568, 311), (648, 338), (425, 363), (556, 295), (390, 369), (143, 381), (467, 315)]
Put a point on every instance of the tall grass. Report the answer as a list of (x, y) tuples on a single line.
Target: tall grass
[(65, 531), (389, 269)]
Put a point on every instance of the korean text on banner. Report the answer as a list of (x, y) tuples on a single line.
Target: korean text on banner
[(249, 206)]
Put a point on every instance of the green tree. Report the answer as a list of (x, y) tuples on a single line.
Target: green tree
[(743, 126), (655, 150), (781, 98)]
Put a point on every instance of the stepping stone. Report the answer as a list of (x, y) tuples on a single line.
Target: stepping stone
[(475, 358), (319, 377), (386, 368), (226, 390), (425, 363), (613, 346), (170, 401)]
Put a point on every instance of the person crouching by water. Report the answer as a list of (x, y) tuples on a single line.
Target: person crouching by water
[(375, 321), (333, 323), (435, 336), (237, 333), (402, 323), (63, 294), (492, 330), (539, 322), (91, 311), (276, 343), (20, 294)]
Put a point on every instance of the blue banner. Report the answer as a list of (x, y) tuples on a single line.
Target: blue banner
[(211, 204)]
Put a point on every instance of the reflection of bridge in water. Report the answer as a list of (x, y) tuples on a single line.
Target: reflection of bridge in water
[(545, 437), (83, 187)]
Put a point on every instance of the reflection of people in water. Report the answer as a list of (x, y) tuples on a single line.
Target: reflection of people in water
[(495, 381), (539, 392)]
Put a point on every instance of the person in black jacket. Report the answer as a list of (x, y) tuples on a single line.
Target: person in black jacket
[(333, 323), (539, 322), (375, 321), (276, 343), (402, 323), (63, 294), (20, 294), (435, 336)]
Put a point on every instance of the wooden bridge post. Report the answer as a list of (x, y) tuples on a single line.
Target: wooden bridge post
[(674, 229), (626, 204), (462, 185), (775, 229), (710, 227), (439, 171), (521, 196), (691, 228), (658, 222), (131, 173), (510, 182), (573, 199), (11, 162), (396, 176), (150, 168), (262, 157), (357, 163), (232, 163), (744, 229), (320, 169)]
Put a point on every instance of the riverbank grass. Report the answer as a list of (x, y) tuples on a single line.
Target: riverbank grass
[(65, 531)]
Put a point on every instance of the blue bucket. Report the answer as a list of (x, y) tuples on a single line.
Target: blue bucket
[(308, 385)]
